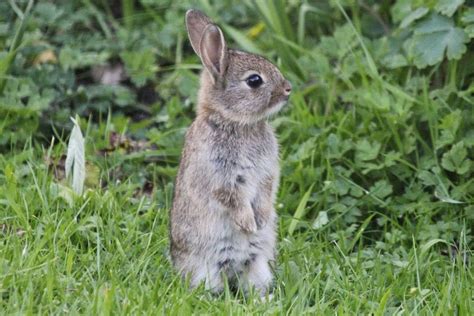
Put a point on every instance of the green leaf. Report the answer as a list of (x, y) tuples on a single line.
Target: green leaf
[(449, 126), (304, 151), (336, 147), (321, 220), (436, 37), (140, 66), (470, 31), (455, 159), (340, 44), (393, 61), (340, 187), (74, 58), (62, 191), (48, 12), (468, 16), (430, 178), (367, 151), (413, 16), (381, 189), (401, 9), (448, 7), (391, 158)]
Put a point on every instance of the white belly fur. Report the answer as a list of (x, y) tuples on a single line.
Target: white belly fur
[(228, 250)]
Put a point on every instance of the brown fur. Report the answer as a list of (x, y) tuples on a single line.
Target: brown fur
[(223, 219)]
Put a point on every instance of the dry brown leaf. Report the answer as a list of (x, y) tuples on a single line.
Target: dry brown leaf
[(46, 56)]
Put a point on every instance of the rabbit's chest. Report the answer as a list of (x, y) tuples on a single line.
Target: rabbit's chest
[(253, 163), (244, 160)]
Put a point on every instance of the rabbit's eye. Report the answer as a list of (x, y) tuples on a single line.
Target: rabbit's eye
[(254, 81)]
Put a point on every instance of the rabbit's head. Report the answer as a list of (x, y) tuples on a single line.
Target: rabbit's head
[(242, 87)]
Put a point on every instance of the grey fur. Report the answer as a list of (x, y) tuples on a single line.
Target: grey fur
[(223, 220)]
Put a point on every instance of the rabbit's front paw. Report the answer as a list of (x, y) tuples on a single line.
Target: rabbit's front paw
[(245, 220), (261, 219), (262, 214)]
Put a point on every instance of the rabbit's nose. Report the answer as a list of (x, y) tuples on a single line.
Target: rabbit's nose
[(287, 87)]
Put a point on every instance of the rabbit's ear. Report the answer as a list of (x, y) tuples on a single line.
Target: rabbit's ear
[(196, 22), (214, 51)]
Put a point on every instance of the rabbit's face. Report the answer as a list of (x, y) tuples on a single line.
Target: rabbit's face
[(242, 87), (250, 89)]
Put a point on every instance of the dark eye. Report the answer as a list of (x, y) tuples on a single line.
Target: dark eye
[(254, 81)]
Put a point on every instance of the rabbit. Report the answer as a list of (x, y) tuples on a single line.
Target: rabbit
[(223, 220)]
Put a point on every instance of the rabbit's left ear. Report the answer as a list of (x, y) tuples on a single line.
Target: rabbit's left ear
[(214, 51), (196, 23)]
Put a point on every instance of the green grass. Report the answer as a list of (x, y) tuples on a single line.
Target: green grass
[(376, 200), (108, 252)]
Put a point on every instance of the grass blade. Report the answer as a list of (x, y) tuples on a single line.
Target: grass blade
[(300, 211), (6, 61)]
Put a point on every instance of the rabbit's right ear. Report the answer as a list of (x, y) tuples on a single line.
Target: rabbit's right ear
[(214, 52), (196, 23)]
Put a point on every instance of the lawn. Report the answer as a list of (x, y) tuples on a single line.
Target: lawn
[(376, 201)]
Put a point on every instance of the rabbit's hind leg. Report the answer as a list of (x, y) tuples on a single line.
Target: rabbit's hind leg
[(210, 275), (259, 275)]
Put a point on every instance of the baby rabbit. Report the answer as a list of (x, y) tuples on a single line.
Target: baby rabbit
[(223, 220)]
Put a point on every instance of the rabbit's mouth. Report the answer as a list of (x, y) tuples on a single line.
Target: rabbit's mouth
[(278, 101), (276, 106)]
